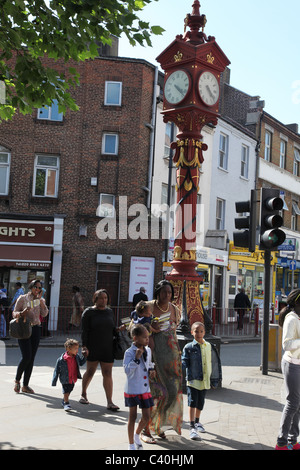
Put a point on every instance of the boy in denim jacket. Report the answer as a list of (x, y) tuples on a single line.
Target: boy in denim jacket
[(196, 359), (67, 369)]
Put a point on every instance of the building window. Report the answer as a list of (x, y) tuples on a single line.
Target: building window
[(223, 152), (113, 93), (50, 113), (110, 144), (168, 138), (4, 171), (46, 173), (296, 162), (268, 146), (245, 161), (220, 214), (282, 154), (295, 213), (106, 206)]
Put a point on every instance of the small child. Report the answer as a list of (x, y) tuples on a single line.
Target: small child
[(145, 317), (196, 359), (67, 369), (138, 367)]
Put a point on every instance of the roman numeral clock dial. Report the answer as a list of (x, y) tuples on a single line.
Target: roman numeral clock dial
[(209, 90), (177, 87)]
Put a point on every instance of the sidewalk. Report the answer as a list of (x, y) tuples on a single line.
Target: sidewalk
[(242, 415)]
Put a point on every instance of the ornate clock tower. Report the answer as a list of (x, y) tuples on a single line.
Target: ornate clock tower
[(192, 63)]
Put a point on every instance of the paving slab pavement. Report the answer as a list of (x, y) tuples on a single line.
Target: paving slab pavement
[(242, 415)]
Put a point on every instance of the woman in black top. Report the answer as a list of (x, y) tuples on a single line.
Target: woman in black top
[(98, 329)]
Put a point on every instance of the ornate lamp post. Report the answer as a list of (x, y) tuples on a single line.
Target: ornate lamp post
[(192, 63)]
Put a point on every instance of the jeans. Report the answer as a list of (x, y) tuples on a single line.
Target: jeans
[(289, 425), (28, 348)]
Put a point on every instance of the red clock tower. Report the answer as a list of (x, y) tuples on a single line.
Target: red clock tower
[(192, 63)]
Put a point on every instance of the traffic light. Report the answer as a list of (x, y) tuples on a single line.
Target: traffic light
[(270, 219), (247, 238)]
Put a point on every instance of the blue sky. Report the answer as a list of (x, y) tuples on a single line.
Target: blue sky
[(261, 38)]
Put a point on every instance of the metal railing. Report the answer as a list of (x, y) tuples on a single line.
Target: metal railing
[(224, 322)]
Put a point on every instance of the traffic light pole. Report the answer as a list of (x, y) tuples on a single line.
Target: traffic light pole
[(266, 320)]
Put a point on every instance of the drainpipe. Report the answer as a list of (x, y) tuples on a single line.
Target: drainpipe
[(152, 139)]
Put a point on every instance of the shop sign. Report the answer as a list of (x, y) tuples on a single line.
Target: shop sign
[(288, 245), (211, 256), (29, 232)]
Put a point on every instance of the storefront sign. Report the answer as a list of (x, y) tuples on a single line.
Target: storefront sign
[(211, 256), (29, 232)]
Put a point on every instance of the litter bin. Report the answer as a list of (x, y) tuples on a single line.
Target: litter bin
[(275, 347)]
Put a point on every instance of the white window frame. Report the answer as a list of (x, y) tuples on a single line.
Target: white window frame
[(296, 162), (245, 161), (116, 146), (107, 102), (106, 209), (220, 214), (49, 117), (47, 169), (268, 146), (223, 151), (282, 159), (5, 165), (168, 135)]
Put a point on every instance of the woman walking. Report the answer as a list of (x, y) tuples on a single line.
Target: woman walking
[(289, 319), (32, 306), (98, 329)]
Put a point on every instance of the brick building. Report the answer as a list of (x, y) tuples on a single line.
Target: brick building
[(69, 181)]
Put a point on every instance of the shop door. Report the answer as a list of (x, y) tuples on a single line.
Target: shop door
[(110, 281)]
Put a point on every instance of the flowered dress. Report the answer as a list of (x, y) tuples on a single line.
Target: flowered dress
[(166, 388)]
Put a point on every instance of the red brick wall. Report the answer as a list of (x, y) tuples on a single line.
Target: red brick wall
[(77, 141)]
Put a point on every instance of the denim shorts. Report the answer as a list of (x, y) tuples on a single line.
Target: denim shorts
[(195, 397)]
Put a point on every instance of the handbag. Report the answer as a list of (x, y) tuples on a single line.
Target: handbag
[(121, 342), (20, 328)]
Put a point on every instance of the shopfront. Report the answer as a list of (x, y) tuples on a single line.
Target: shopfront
[(247, 270), (212, 270), (32, 249)]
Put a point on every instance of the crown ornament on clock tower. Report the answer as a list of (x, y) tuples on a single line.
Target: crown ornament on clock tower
[(192, 64)]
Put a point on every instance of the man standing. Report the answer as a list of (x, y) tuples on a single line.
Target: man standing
[(241, 304), (19, 291), (139, 296)]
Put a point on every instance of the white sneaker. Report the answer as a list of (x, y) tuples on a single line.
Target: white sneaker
[(193, 434), (66, 406), (131, 447), (137, 442), (200, 427)]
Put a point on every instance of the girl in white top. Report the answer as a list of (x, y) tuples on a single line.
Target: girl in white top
[(289, 319)]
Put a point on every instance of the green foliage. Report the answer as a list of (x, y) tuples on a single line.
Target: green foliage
[(58, 29)]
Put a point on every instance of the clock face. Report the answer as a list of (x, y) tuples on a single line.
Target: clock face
[(177, 86), (208, 88)]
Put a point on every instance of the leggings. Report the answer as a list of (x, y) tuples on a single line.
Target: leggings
[(28, 348), (289, 425)]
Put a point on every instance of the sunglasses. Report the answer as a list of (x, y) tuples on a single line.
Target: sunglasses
[(36, 287)]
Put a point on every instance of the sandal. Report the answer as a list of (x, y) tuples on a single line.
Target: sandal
[(17, 387), (84, 401), (26, 389), (112, 407), (147, 438)]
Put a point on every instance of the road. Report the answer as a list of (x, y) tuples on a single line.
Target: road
[(240, 354)]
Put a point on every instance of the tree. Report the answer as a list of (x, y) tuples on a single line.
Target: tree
[(58, 29)]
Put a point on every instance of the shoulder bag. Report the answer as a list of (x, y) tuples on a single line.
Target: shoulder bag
[(20, 328)]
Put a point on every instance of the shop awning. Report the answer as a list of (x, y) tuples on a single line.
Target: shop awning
[(28, 257)]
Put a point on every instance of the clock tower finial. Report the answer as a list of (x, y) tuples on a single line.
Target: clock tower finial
[(195, 21)]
